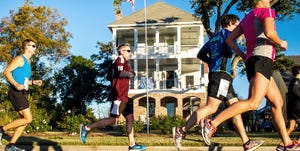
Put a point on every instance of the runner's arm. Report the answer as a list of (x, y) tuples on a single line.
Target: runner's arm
[(231, 41)]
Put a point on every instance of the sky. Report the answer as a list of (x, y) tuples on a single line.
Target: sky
[(88, 20)]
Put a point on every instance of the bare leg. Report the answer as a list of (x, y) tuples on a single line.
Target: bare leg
[(20, 124), (238, 123), (274, 96), (17, 133), (257, 91), (291, 126), (210, 108)]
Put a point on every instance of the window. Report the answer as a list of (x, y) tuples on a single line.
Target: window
[(170, 109), (151, 109), (189, 81), (170, 79)]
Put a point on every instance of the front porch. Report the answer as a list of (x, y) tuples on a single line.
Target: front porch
[(170, 102)]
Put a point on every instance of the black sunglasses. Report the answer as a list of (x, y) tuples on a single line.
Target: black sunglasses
[(127, 50), (33, 46)]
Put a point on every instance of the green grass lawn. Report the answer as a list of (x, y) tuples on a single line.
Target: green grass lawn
[(98, 139)]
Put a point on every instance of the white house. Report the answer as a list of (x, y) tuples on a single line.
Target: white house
[(176, 78)]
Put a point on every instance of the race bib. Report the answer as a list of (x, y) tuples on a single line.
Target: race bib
[(120, 68), (223, 88)]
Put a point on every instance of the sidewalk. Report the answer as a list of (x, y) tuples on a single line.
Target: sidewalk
[(125, 148)]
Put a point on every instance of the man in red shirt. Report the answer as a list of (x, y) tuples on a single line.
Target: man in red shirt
[(120, 76)]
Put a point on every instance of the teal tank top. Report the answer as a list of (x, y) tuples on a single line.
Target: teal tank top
[(20, 73)]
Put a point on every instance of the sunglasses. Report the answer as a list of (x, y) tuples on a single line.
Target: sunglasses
[(127, 50), (33, 46)]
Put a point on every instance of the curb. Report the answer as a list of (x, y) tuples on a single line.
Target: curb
[(125, 148)]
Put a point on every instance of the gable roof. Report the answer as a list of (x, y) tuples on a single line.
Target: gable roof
[(157, 13)]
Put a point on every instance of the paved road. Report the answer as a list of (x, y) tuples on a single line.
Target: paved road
[(124, 148)]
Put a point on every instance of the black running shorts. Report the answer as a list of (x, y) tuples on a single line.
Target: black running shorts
[(220, 86), (293, 113), (115, 109), (18, 99), (259, 64), (293, 108)]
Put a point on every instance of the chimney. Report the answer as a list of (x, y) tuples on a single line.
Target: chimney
[(118, 15)]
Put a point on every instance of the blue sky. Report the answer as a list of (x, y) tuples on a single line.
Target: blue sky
[(88, 19), (88, 22)]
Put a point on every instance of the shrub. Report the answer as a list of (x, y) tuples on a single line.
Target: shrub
[(7, 112), (165, 123), (40, 121), (71, 122), (138, 126)]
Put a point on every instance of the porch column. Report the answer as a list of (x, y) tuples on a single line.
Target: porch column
[(201, 36), (179, 107), (178, 44), (136, 78), (136, 112), (157, 107), (157, 79), (136, 39), (114, 43), (178, 72), (156, 40)]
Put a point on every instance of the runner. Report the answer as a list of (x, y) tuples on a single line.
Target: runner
[(219, 57), (17, 74), (293, 105), (120, 76), (258, 28)]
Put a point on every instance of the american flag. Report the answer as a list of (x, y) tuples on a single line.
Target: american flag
[(131, 2)]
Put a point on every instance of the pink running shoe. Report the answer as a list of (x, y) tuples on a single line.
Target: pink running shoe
[(208, 131)]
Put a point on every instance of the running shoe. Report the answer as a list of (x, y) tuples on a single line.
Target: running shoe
[(83, 132), (252, 145), (13, 148), (178, 136), (280, 148), (293, 147), (208, 131), (202, 125), (137, 147)]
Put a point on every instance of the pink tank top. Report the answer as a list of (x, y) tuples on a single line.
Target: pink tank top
[(253, 27)]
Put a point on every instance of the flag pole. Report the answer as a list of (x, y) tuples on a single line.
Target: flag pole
[(146, 52)]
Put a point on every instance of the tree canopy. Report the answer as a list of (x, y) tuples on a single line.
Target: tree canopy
[(103, 62), (213, 10), (41, 24), (84, 80), (76, 84)]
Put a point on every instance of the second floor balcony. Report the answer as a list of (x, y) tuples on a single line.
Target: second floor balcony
[(165, 49), (163, 41)]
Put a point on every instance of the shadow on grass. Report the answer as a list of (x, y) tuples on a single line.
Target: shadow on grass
[(30, 142), (212, 147), (195, 140), (215, 147)]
